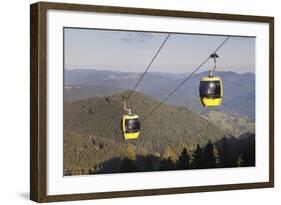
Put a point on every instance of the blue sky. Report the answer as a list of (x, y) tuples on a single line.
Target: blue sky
[(132, 51)]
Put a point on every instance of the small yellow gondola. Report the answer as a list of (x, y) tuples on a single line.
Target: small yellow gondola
[(130, 124)]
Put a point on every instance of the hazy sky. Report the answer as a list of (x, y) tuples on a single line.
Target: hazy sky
[(132, 51)]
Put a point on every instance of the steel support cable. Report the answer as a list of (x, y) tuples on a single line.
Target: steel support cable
[(186, 79)]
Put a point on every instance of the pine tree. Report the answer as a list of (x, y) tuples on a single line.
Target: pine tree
[(224, 155), (210, 160), (240, 162), (128, 165), (197, 157), (167, 164), (247, 157), (149, 165), (184, 158)]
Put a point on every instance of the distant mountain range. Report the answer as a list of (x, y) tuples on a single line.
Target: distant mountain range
[(239, 89)]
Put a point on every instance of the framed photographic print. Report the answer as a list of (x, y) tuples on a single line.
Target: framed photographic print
[(134, 102)]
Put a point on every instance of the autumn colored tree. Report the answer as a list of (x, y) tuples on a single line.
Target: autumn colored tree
[(130, 152), (170, 153), (128, 164)]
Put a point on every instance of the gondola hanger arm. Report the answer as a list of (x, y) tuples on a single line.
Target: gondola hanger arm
[(125, 108), (214, 56)]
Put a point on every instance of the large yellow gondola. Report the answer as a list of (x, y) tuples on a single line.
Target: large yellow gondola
[(210, 89), (130, 124)]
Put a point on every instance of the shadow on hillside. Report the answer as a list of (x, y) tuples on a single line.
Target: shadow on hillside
[(235, 147), (224, 153), (139, 164)]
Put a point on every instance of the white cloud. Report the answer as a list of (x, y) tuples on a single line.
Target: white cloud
[(131, 37)]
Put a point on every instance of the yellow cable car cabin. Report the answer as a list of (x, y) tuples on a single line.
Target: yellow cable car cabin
[(130, 126), (211, 91)]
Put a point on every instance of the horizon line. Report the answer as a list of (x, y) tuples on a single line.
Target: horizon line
[(137, 72)]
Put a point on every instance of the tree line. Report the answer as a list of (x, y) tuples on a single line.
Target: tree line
[(203, 157)]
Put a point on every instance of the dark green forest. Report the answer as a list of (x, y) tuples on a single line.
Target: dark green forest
[(209, 156), (201, 158)]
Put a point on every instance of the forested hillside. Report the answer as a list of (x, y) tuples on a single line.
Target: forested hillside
[(171, 138)]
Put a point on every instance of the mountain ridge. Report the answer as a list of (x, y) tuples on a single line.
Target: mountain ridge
[(103, 83)]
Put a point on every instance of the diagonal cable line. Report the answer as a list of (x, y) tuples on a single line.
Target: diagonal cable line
[(186, 79), (151, 62), (138, 82)]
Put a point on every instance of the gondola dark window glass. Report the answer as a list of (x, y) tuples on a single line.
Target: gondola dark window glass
[(132, 125), (210, 89)]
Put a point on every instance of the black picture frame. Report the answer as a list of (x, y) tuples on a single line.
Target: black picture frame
[(38, 102)]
